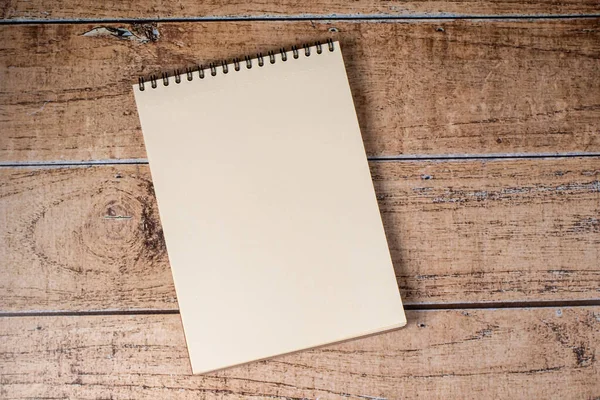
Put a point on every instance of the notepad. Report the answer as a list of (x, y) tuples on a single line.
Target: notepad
[(270, 218)]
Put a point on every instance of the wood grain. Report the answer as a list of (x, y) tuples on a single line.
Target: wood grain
[(459, 232), (85, 9), (512, 354), (437, 87)]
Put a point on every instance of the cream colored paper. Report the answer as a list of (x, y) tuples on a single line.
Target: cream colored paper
[(268, 209)]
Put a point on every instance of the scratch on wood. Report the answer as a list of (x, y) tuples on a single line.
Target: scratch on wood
[(40, 109)]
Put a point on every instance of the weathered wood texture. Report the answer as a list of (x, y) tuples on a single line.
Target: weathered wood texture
[(86, 9), (512, 354), (463, 231), (440, 87)]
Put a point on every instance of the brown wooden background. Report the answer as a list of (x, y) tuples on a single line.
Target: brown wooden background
[(481, 119)]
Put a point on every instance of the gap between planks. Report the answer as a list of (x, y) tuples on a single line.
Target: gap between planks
[(408, 307), (416, 157), (309, 17)]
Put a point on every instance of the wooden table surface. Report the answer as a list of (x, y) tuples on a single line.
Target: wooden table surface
[(481, 120)]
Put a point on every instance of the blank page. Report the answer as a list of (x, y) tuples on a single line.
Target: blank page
[(268, 209)]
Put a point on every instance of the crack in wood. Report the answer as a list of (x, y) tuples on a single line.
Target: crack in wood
[(141, 33)]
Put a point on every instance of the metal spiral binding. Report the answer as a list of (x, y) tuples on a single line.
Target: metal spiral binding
[(189, 72)]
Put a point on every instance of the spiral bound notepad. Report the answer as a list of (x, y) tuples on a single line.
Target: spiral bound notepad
[(269, 214)]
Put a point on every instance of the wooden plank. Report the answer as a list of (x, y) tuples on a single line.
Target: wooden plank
[(42, 10), (437, 87), (459, 232), (513, 354)]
